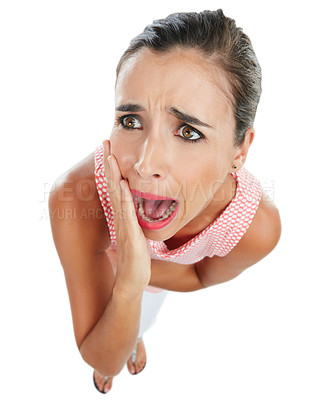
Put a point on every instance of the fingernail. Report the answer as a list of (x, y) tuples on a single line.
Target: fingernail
[(109, 161), (106, 390), (106, 146)]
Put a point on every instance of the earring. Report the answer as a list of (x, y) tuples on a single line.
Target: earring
[(234, 166)]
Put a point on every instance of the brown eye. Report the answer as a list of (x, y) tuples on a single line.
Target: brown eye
[(190, 134), (186, 132), (130, 122)]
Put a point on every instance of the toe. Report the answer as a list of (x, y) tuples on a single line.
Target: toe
[(98, 381), (103, 384), (131, 366), (108, 384), (137, 365), (140, 367)]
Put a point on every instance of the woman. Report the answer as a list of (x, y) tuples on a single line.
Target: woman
[(165, 204)]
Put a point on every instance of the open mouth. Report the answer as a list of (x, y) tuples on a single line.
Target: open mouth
[(154, 212)]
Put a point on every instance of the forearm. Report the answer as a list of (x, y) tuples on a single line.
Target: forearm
[(174, 277), (217, 270), (109, 344)]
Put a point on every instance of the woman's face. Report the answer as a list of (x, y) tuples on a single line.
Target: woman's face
[(173, 138)]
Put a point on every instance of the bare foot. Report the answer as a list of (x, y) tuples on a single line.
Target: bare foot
[(105, 384)]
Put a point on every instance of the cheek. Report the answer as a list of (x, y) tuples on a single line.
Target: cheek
[(123, 152), (202, 180), (193, 181)]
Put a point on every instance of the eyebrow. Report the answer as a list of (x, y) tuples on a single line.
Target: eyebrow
[(129, 108), (189, 119)]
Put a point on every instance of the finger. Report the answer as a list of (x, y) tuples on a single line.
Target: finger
[(127, 200), (114, 189), (106, 153), (120, 195), (106, 149), (115, 178), (112, 174), (128, 208)]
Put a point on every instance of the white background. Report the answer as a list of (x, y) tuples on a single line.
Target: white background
[(250, 338)]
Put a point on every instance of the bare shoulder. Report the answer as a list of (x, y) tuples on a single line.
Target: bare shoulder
[(262, 236), (265, 229), (259, 240), (74, 205)]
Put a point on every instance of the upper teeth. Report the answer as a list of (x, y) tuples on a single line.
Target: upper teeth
[(165, 215)]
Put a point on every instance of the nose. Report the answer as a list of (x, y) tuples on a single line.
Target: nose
[(151, 161)]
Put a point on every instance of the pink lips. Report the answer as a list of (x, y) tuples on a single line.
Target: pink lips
[(157, 224), (150, 196)]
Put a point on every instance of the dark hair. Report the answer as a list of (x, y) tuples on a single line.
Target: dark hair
[(215, 36)]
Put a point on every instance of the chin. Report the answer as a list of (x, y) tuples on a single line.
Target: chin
[(158, 235)]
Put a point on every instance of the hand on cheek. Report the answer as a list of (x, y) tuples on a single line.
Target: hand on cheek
[(134, 263)]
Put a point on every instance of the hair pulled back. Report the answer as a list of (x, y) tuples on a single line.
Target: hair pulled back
[(217, 38)]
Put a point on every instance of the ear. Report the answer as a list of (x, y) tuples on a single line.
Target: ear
[(241, 152)]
